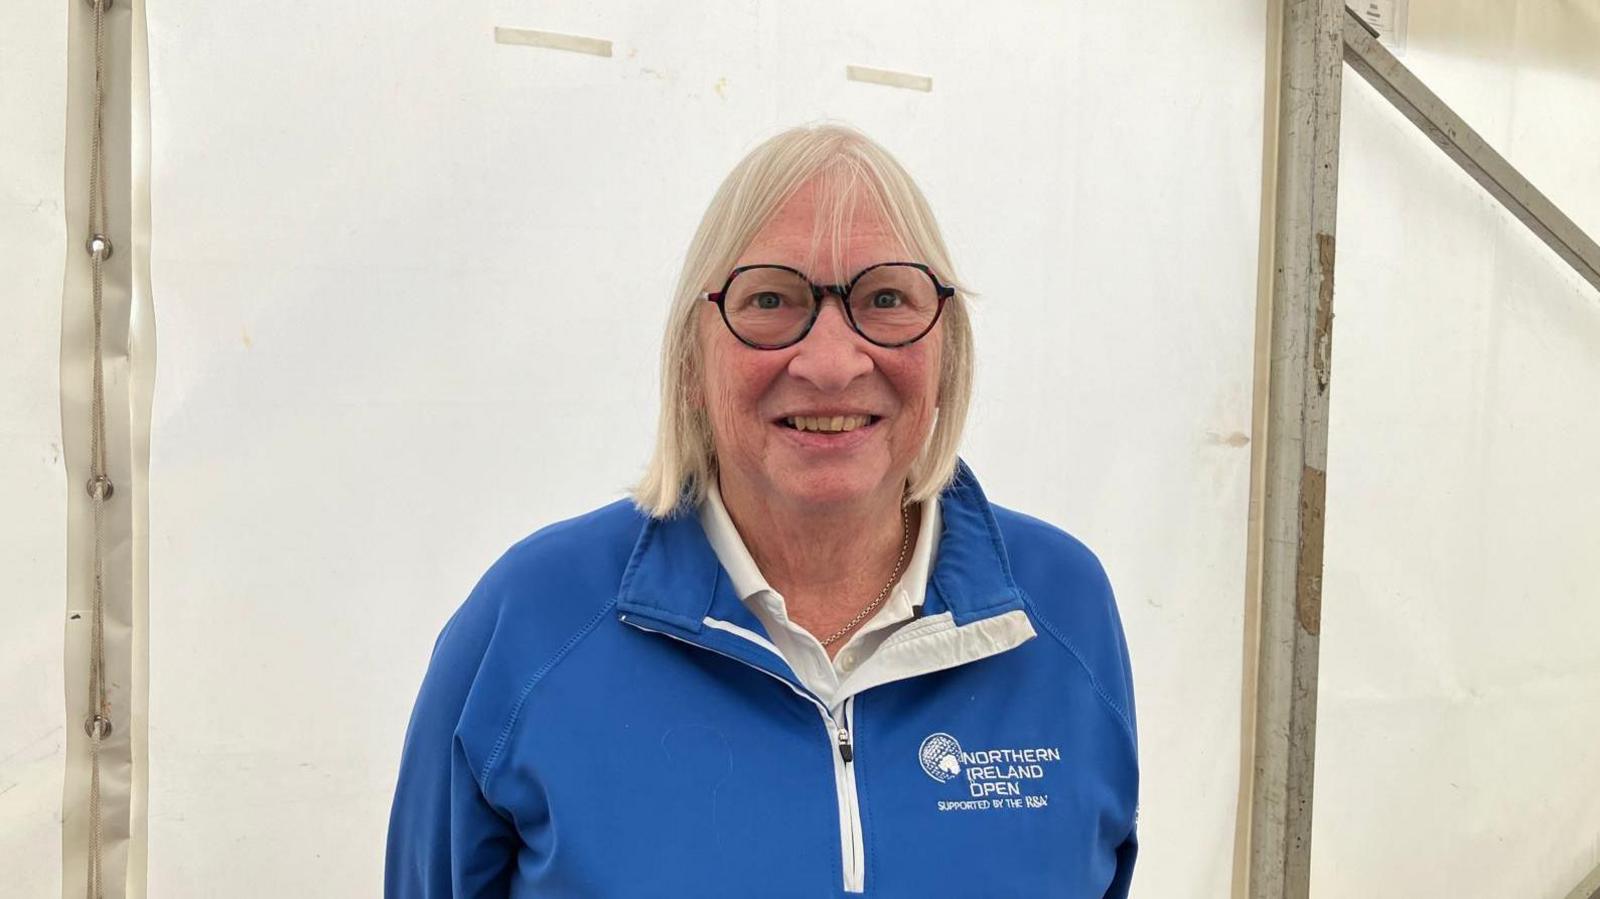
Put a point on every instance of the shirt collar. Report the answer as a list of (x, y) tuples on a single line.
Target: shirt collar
[(730, 547)]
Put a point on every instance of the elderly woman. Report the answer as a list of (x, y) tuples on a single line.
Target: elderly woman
[(809, 657)]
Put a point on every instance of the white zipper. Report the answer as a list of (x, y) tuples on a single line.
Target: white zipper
[(852, 849), (841, 740)]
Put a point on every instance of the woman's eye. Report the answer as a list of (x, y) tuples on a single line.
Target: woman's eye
[(766, 301), (886, 299)]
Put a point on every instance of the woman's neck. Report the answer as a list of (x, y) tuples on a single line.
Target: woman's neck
[(828, 562)]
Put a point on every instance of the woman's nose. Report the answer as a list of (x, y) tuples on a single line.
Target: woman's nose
[(833, 354)]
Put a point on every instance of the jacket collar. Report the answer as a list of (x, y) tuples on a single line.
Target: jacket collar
[(674, 578)]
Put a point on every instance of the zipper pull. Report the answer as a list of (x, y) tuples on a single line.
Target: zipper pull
[(845, 752)]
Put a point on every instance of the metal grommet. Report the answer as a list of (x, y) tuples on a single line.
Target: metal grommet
[(99, 487), (98, 245), (97, 726)]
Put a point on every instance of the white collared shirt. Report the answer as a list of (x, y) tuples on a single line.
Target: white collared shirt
[(798, 646)]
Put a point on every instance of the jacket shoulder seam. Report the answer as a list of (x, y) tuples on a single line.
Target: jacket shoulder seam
[(1094, 682), (533, 681)]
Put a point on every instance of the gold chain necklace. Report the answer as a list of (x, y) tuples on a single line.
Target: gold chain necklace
[(905, 541)]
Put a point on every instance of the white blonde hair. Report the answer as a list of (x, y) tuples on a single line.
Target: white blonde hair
[(847, 167)]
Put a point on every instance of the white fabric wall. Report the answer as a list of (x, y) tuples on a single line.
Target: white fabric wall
[(378, 236), (33, 510), (387, 248), (1458, 735)]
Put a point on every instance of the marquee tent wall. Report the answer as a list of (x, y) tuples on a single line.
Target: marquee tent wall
[(406, 285)]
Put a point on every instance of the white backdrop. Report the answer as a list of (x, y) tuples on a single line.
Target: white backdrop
[(383, 245), (410, 286), (33, 499)]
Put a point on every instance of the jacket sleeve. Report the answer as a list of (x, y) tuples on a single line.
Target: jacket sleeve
[(445, 838), (1128, 850), (1126, 853)]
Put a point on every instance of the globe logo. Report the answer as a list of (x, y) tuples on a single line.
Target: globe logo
[(940, 756)]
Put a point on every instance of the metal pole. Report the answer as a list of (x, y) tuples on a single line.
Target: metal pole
[(1439, 122), (1286, 607), (1589, 888)]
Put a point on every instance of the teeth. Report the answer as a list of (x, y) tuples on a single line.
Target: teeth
[(834, 425)]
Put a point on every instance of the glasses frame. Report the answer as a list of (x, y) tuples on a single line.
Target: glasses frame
[(819, 294)]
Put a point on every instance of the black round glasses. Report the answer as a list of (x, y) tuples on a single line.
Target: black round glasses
[(891, 304)]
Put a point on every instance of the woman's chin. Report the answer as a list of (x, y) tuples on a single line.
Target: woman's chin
[(823, 488)]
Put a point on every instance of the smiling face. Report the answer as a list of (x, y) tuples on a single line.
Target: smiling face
[(752, 396)]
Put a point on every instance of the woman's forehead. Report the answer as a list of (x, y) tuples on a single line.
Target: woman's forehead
[(824, 246)]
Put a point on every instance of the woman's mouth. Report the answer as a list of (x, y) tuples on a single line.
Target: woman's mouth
[(828, 424)]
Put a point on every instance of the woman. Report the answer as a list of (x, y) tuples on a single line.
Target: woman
[(809, 658)]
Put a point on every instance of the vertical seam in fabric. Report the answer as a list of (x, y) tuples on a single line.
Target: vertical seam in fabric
[(1122, 715), (522, 698)]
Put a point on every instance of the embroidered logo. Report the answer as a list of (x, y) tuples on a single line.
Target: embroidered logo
[(1000, 778), (940, 756)]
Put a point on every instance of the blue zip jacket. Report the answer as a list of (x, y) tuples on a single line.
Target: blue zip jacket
[(603, 716)]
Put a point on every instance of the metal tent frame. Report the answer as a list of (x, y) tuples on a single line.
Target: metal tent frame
[(1312, 40)]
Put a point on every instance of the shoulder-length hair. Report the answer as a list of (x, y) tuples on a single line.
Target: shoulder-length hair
[(848, 168)]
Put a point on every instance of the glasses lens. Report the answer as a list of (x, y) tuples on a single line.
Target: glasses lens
[(894, 303), (768, 306)]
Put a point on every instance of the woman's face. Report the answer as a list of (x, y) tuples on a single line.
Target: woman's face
[(749, 393)]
